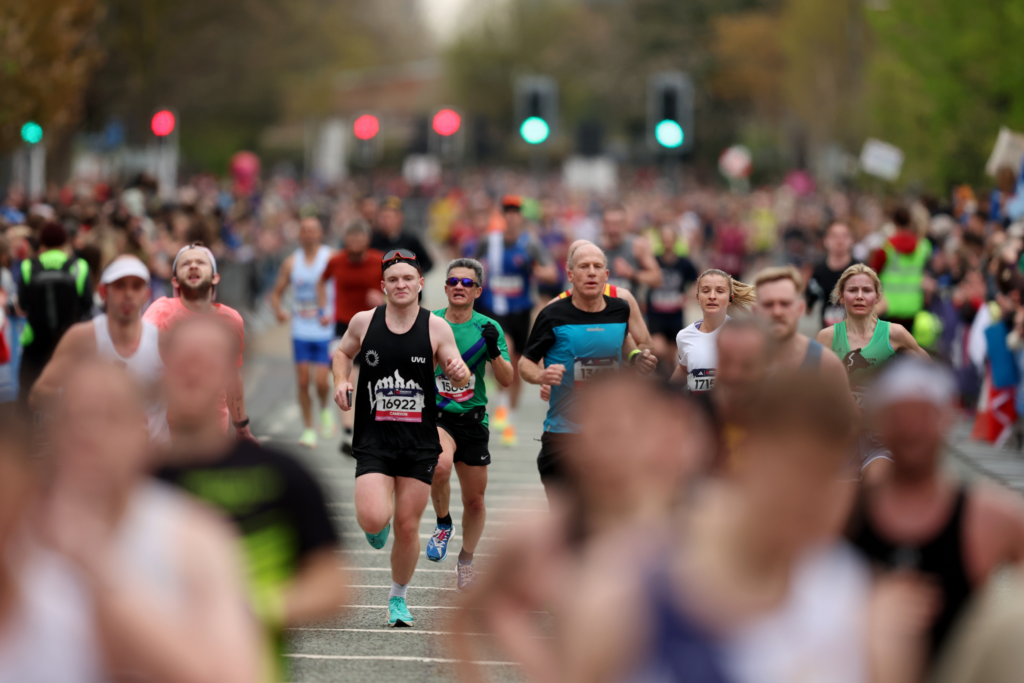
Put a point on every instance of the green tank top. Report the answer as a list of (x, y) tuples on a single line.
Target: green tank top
[(451, 399), (862, 364)]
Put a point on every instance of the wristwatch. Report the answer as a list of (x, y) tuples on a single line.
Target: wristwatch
[(240, 425)]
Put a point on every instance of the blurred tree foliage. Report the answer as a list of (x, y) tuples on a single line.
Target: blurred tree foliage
[(48, 49), (232, 67), (944, 76)]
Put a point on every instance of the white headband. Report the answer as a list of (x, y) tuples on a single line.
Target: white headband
[(213, 259), (912, 379)]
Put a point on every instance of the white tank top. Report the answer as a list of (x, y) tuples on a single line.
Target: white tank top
[(50, 634), (698, 352), (305, 311), (145, 365), (817, 635)]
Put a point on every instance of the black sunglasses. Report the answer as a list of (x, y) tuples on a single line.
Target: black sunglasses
[(466, 282)]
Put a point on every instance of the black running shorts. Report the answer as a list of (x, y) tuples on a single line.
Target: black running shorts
[(551, 460), (412, 466), (470, 436)]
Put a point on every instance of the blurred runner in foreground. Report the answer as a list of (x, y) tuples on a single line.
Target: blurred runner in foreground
[(396, 443), (120, 336), (462, 417), (160, 573), (918, 521), (617, 516), (295, 574), (195, 280), (311, 328)]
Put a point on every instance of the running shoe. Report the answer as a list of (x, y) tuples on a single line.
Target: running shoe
[(508, 436), (466, 577), (437, 546), (308, 438), (327, 423), (500, 421), (398, 612), (379, 539)]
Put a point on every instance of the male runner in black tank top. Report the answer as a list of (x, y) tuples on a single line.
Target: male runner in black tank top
[(920, 520), (395, 443)]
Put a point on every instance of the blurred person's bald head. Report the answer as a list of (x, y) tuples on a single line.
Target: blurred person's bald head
[(200, 358), (103, 437)]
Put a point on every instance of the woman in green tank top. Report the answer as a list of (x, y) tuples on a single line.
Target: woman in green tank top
[(862, 341)]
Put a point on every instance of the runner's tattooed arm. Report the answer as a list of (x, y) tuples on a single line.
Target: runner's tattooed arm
[(348, 349), (446, 352)]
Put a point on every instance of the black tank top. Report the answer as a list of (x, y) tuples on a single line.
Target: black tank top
[(395, 410), (941, 558)]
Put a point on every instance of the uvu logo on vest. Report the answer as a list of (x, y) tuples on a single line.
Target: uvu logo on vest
[(394, 399)]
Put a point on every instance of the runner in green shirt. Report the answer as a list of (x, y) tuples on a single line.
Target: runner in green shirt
[(462, 417)]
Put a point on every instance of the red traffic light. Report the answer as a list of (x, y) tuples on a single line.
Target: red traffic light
[(447, 122), (162, 123), (366, 127)]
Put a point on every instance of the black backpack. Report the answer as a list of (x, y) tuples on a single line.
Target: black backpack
[(51, 302)]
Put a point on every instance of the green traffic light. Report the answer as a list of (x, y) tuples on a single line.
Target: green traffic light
[(669, 134), (32, 132), (535, 130)]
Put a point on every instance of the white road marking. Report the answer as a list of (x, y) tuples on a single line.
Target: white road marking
[(381, 553), (360, 534), (431, 520), (389, 630), (426, 660), (420, 588)]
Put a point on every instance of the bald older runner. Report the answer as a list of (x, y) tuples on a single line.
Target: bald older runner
[(582, 335)]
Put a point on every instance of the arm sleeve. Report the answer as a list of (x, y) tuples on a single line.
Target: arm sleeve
[(542, 337), (313, 526), (681, 350)]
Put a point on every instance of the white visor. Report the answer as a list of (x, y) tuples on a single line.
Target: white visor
[(125, 266)]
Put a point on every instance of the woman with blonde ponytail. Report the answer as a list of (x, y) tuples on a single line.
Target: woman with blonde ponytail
[(718, 294), (862, 341)]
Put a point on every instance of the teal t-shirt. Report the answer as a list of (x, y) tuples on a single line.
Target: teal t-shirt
[(474, 354)]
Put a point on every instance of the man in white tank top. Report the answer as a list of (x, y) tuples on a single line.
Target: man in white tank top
[(312, 328), (120, 336), (156, 578)]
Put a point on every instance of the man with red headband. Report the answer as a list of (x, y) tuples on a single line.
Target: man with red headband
[(194, 277), (395, 443)]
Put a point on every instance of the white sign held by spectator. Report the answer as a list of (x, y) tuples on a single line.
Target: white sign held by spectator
[(881, 159), (421, 169), (1008, 151), (591, 174)]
